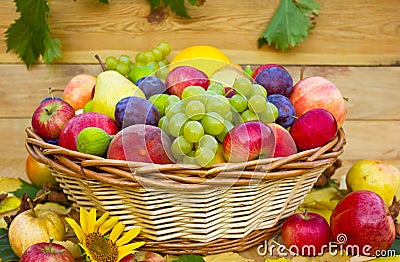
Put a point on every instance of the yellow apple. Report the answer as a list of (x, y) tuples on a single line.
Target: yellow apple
[(38, 173)]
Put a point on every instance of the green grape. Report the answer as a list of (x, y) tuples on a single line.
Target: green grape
[(193, 131), (192, 93), (219, 104), (227, 128), (209, 142), (228, 116), (111, 62), (180, 146), (176, 124), (163, 124), (205, 157), (124, 59), (213, 123), (195, 110), (259, 90), (189, 158), (158, 55), (257, 103), (266, 116), (172, 99), (238, 102), (217, 88), (274, 110), (158, 101), (243, 86), (139, 58), (211, 93), (174, 109), (248, 115), (162, 72), (165, 48), (163, 62), (123, 69), (138, 72), (148, 57), (131, 65)]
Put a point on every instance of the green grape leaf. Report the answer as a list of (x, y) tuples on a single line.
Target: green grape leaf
[(178, 7), (29, 35), (27, 188), (103, 1), (5, 249), (290, 24)]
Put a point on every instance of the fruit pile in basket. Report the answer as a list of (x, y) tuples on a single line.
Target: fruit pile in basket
[(200, 109)]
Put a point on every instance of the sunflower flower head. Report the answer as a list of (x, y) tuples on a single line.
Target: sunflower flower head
[(102, 239)]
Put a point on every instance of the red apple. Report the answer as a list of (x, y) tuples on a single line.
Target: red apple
[(182, 76), (248, 141), (306, 234), (263, 67), (318, 92), (141, 143), (38, 173), (71, 130), (79, 90), (313, 129), (50, 117), (47, 252), (361, 222), (143, 256), (284, 143)]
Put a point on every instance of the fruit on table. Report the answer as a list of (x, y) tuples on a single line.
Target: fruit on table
[(133, 110), (318, 92), (362, 224), (275, 80), (34, 226), (143, 256), (248, 141), (93, 141), (206, 58), (47, 252), (313, 129), (110, 88), (79, 90), (141, 143), (50, 117), (374, 175), (284, 143), (286, 111), (183, 76), (38, 173), (306, 233), (70, 132), (262, 68), (151, 85)]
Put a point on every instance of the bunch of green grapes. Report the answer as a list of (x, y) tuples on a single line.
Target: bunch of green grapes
[(197, 122), (145, 64), (250, 102)]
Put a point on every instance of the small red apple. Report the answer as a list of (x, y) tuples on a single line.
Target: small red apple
[(79, 90), (50, 117), (318, 92), (38, 173), (71, 130), (143, 256), (284, 143), (183, 76), (306, 234), (47, 252), (248, 141), (361, 222), (313, 129)]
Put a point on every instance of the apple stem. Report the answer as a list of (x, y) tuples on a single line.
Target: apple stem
[(32, 207), (49, 249), (306, 217), (103, 66), (47, 110)]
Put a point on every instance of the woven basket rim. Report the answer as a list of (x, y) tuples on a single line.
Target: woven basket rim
[(181, 176)]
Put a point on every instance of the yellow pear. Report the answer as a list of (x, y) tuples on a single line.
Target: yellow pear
[(374, 175), (111, 87)]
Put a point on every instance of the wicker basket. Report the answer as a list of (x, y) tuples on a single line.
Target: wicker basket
[(186, 210)]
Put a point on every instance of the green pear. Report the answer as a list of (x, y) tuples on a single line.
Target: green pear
[(110, 88)]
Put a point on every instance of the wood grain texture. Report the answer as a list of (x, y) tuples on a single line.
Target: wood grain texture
[(348, 32)]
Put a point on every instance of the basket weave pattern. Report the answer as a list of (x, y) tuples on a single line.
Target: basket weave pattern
[(186, 210)]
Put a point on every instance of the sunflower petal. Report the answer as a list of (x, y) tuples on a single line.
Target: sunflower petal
[(127, 249), (83, 218), (77, 229), (108, 225), (91, 220), (117, 231), (128, 236), (101, 220), (86, 252)]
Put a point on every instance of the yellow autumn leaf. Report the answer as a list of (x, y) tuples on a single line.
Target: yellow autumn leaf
[(9, 184), (3, 223), (228, 256), (276, 260), (55, 207), (71, 246), (388, 259), (9, 204), (327, 257)]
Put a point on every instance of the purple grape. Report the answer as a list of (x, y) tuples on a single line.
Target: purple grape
[(276, 81), (134, 110), (49, 98), (52, 141), (151, 85), (286, 111)]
